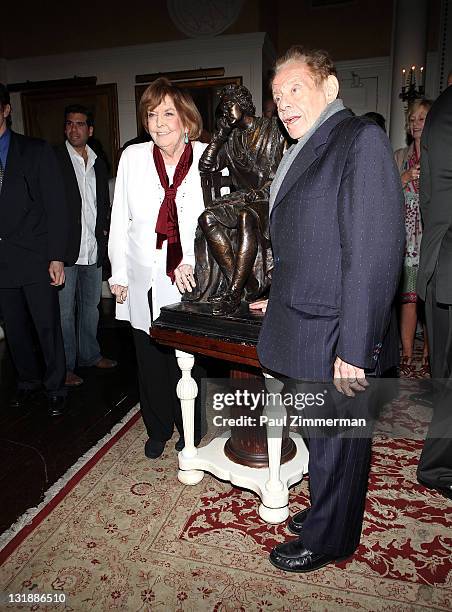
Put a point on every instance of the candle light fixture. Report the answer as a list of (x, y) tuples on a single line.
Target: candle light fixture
[(413, 85)]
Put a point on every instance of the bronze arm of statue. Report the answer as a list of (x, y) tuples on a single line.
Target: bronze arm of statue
[(212, 160), (235, 226)]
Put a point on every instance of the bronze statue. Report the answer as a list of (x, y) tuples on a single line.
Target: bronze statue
[(232, 246)]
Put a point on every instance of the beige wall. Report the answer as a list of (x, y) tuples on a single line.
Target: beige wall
[(240, 55)]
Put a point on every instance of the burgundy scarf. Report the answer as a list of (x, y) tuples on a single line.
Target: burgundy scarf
[(167, 227)]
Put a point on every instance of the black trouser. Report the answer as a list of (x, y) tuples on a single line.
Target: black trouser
[(158, 375), (439, 328), (35, 306), (338, 473), (435, 464), (339, 463)]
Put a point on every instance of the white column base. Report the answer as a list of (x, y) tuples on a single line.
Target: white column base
[(271, 484), (187, 390), (211, 458), (190, 477), (273, 515)]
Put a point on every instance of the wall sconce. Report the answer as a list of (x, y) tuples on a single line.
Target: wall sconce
[(413, 84)]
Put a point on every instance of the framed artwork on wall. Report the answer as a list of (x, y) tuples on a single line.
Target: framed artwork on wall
[(206, 95), (43, 115)]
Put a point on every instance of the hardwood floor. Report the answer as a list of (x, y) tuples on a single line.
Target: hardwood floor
[(36, 449)]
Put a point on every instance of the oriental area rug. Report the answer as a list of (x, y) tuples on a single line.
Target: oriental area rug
[(124, 534)]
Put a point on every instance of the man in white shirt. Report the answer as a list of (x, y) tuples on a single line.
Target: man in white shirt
[(86, 183)]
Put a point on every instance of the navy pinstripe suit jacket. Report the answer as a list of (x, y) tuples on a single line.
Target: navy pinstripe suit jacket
[(337, 232)]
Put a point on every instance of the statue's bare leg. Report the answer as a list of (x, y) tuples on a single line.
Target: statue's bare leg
[(247, 228), (218, 242)]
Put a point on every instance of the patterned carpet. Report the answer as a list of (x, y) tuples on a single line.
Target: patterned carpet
[(129, 536)]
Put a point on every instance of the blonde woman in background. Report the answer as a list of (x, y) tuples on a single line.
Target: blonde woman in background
[(408, 162)]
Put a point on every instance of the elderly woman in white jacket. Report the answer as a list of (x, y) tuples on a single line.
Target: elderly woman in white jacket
[(156, 206)]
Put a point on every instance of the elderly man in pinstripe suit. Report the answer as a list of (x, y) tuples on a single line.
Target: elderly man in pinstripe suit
[(337, 233)]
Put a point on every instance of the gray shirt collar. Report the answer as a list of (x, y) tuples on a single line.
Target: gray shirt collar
[(331, 109)]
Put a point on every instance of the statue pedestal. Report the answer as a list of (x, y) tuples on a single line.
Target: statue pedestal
[(247, 457)]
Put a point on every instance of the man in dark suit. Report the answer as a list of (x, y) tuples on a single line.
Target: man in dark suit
[(337, 232), (434, 283), (85, 179), (33, 239)]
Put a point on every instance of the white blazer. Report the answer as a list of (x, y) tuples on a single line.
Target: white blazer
[(135, 261)]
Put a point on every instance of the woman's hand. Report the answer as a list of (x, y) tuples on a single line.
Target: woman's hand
[(184, 278), (412, 174), (259, 305), (120, 293)]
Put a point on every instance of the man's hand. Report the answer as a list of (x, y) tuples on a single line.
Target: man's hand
[(56, 272), (184, 278), (120, 293), (348, 378), (259, 305)]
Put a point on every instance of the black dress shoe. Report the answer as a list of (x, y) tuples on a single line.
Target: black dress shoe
[(56, 405), (444, 491), (295, 524), (293, 556), (22, 397), (181, 442), (154, 448)]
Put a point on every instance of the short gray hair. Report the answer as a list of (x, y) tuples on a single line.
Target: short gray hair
[(318, 61)]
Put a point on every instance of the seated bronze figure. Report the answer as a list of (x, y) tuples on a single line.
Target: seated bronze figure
[(232, 246)]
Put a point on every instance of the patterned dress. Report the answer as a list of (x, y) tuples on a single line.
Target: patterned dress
[(407, 158)]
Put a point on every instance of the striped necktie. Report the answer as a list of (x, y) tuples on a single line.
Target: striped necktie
[(2, 172)]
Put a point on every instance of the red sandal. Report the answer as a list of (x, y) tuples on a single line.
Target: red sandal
[(425, 367), (406, 368)]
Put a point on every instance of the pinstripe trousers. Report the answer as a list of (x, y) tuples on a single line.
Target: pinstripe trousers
[(339, 462), (338, 474)]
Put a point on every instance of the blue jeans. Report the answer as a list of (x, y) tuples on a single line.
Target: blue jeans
[(81, 295)]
